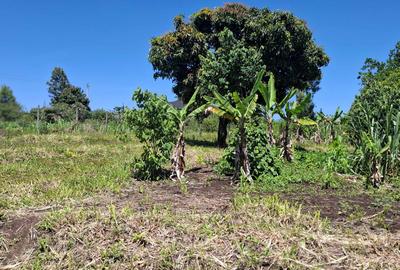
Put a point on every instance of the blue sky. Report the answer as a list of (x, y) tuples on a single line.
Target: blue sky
[(105, 44)]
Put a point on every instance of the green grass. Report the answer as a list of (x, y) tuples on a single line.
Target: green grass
[(46, 169)]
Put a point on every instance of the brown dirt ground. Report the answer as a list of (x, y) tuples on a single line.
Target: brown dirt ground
[(206, 192)]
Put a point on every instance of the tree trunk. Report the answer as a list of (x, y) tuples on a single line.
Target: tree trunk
[(286, 144), (178, 157), (222, 132), (242, 158)]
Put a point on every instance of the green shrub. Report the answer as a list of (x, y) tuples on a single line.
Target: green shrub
[(338, 157), (264, 159), (155, 129)]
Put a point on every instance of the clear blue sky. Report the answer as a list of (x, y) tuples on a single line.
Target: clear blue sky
[(105, 43)]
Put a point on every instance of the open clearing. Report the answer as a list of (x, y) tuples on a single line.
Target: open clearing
[(106, 219)]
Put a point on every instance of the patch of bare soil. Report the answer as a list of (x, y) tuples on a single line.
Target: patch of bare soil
[(205, 192), (19, 236), (347, 210)]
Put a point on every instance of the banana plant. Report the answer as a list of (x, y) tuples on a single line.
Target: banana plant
[(330, 122), (289, 111), (239, 111), (268, 93), (181, 116)]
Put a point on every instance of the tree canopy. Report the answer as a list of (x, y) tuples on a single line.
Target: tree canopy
[(66, 99), (284, 42), (380, 89), (9, 108), (57, 84)]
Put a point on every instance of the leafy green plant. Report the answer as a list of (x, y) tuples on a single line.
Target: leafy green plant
[(289, 112), (329, 124), (155, 128), (263, 158), (181, 116), (377, 155), (240, 111), (268, 110), (338, 156)]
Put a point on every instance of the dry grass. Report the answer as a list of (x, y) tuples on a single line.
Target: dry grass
[(254, 233), (104, 221)]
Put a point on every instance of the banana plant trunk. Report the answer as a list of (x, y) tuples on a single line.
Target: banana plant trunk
[(376, 176), (242, 158), (222, 132), (270, 132), (333, 133), (178, 157), (286, 144), (317, 136)]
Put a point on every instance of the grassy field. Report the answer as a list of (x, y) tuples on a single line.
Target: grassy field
[(68, 201)]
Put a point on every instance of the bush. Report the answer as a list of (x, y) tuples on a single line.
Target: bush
[(338, 157), (264, 159), (155, 129)]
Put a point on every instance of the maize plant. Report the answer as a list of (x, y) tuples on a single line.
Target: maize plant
[(377, 155)]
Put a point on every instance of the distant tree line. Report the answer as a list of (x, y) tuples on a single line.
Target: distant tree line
[(67, 102)]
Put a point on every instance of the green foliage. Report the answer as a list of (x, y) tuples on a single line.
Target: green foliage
[(68, 102), (338, 157), (263, 158), (10, 110), (232, 67), (175, 56), (240, 110), (380, 86), (57, 84), (73, 98), (290, 112), (374, 119), (282, 42), (378, 153), (155, 128)]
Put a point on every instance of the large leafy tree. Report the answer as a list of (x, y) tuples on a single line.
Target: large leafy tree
[(9, 108), (232, 66), (284, 42), (57, 84), (380, 86)]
